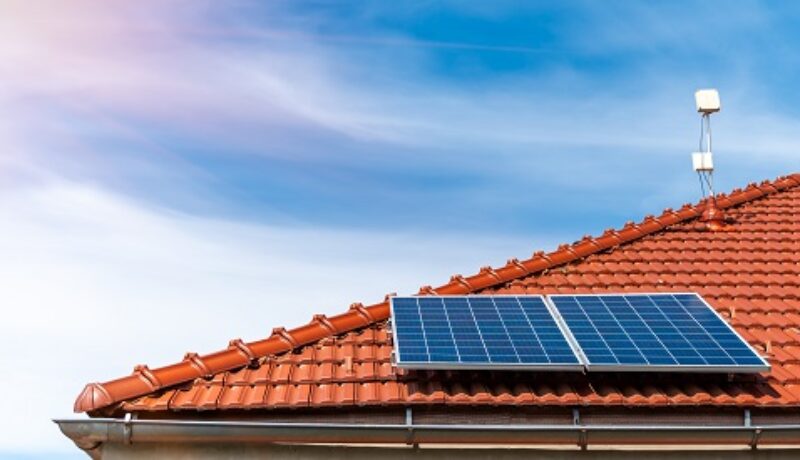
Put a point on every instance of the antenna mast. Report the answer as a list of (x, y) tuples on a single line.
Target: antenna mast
[(702, 159), (707, 101)]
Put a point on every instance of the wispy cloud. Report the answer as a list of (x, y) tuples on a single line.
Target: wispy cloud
[(108, 282), (140, 65)]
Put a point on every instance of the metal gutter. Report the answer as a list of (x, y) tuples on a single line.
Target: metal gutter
[(90, 434)]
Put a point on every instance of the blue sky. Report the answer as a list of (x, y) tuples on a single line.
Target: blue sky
[(206, 163)]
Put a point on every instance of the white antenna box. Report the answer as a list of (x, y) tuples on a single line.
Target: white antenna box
[(703, 161), (707, 100)]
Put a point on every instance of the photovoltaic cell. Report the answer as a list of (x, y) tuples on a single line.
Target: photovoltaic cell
[(654, 332), (479, 332)]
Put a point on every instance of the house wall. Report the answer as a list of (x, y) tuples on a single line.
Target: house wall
[(175, 451)]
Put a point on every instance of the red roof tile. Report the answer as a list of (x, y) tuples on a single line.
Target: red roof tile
[(749, 273)]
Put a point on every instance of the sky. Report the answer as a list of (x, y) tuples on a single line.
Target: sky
[(175, 174)]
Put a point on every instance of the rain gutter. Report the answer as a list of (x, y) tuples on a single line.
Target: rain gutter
[(91, 434)]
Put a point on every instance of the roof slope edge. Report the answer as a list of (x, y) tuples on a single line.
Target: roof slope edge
[(238, 353)]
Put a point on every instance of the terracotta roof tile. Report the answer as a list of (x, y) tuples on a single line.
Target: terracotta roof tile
[(750, 273), (281, 372), (202, 395)]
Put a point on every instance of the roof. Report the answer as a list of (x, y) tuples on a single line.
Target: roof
[(748, 271)]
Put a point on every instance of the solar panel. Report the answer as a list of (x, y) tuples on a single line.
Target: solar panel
[(653, 332), (475, 332)]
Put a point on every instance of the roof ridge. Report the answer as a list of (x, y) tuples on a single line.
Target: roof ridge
[(144, 380)]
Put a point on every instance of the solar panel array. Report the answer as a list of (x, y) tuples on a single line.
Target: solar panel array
[(607, 332), (652, 332), (476, 332)]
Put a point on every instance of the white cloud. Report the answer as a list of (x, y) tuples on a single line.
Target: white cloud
[(204, 76), (93, 284)]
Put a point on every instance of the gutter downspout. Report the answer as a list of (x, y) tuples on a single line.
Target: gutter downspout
[(91, 434)]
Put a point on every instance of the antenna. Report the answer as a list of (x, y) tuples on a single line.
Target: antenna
[(707, 101)]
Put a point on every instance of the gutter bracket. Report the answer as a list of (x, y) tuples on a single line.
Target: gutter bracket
[(583, 435), (583, 439), (127, 429), (748, 422), (754, 441), (410, 428)]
